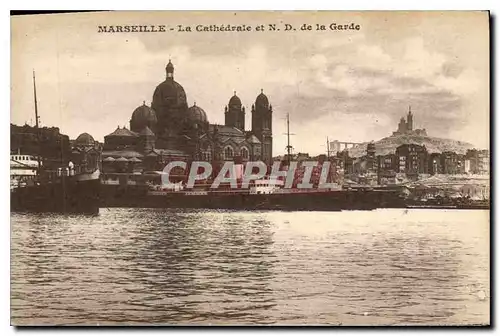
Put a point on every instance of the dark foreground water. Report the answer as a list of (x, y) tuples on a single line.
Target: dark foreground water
[(143, 266)]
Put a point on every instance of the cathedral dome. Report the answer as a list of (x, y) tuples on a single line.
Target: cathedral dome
[(262, 99), (169, 95), (235, 100), (196, 114), (169, 100), (84, 139), (143, 116)]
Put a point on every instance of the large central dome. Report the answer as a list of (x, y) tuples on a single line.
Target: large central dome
[(169, 101), (169, 95)]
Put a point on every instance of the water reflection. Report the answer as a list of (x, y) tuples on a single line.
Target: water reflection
[(149, 266), (197, 260)]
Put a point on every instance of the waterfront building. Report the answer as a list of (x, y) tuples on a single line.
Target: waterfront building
[(478, 161), (387, 167), (483, 162), (434, 164), (47, 142), (452, 163), (461, 164), (345, 163), (412, 159), (387, 164), (170, 130), (85, 153), (371, 159)]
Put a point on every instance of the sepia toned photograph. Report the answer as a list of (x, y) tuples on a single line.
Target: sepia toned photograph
[(250, 168)]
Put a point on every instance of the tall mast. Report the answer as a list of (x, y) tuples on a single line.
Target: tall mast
[(327, 148), (288, 146), (36, 121)]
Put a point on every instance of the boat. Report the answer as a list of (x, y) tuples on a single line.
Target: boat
[(262, 194), (77, 193), (22, 169), (65, 189)]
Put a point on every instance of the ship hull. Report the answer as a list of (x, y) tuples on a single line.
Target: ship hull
[(115, 196), (68, 196)]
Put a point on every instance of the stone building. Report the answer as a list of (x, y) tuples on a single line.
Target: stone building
[(48, 143), (412, 159), (371, 158), (388, 164), (405, 127), (85, 154), (452, 163), (171, 130), (434, 163), (345, 163), (478, 161)]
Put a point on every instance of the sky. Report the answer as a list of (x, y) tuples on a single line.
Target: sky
[(344, 85)]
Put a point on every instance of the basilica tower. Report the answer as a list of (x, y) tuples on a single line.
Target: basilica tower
[(234, 113), (262, 125), (409, 120)]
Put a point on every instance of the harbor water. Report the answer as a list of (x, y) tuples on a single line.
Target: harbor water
[(163, 267)]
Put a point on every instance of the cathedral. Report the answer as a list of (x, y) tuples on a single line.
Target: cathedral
[(405, 127), (170, 130)]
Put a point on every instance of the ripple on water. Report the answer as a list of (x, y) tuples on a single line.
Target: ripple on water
[(150, 266)]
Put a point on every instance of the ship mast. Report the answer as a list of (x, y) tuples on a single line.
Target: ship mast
[(36, 121), (288, 146), (327, 148)]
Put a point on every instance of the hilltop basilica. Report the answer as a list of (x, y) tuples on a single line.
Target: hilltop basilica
[(405, 127), (170, 130)]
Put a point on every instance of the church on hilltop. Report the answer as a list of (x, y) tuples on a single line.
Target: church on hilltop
[(405, 127), (170, 130)]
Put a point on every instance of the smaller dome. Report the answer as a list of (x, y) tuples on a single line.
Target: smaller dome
[(196, 113), (144, 116), (235, 100), (262, 99), (85, 139)]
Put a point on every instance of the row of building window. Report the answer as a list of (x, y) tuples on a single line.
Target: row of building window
[(229, 153), (23, 158)]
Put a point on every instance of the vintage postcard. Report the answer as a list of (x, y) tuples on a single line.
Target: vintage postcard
[(250, 168)]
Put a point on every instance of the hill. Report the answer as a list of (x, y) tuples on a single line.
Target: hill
[(389, 144)]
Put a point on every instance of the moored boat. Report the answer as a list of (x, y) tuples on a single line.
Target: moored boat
[(258, 196), (66, 189), (62, 194)]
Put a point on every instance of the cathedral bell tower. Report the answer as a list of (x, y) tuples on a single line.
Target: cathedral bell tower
[(262, 124), (234, 113), (409, 119)]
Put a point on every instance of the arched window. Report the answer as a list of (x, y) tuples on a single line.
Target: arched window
[(228, 153), (244, 153)]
